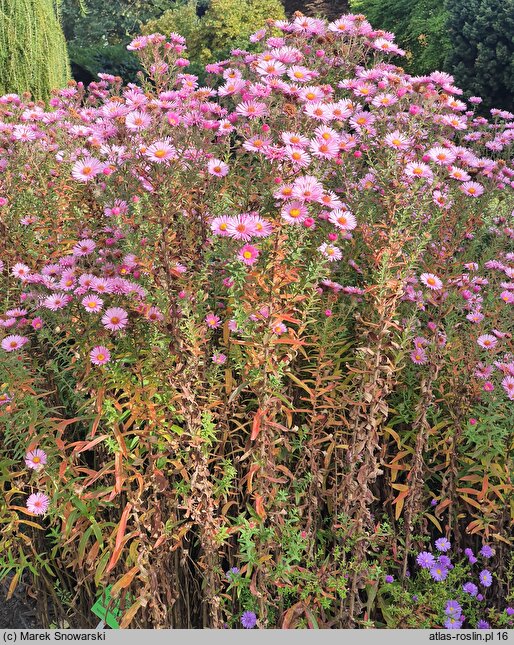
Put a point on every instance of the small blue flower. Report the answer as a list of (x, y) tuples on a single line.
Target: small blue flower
[(232, 572), (438, 573), (486, 551), (486, 578), (453, 608), (452, 622), (470, 588), (248, 620), (442, 544), (425, 560)]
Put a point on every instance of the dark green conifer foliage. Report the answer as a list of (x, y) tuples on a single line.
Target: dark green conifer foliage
[(482, 54), (33, 55)]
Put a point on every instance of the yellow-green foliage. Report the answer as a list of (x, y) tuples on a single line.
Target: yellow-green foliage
[(181, 19), (225, 23), (33, 55)]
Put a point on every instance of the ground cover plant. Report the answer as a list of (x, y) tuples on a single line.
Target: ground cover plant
[(257, 361)]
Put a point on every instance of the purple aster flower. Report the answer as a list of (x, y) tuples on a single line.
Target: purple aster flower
[(248, 620), (415, 599), (486, 551), (442, 544), (433, 502), (453, 608), (479, 596), (483, 624), (472, 559), (452, 622), (425, 560), (445, 561), (486, 578), (232, 572), (438, 573), (468, 553), (389, 579), (470, 588), (509, 611)]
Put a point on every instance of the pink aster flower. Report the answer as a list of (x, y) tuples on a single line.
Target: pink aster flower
[(324, 149), (212, 321), (219, 225), (508, 386), (13, 342), (397, 140), (138, 43), (298, 157), (331, 252), (37, 323), (507, 296), (101, 285), (418, 356), (100, 355), (138, 120), (307, 189), (487, 341), (217, 168), (160, 152), (115, 318), (20, 271), (418, 170), (472, 188), (218, 358), (248, 254), (241, 227), (344, 220), (35, 459), (278, 328), (5, 398), (85, 170), (459, 174), (84, 247), (92, 303), (38, 503), (252, 109), (56, 301), (441, 156), (431, 281), (475, 317), (262, 227), (294, 212), (154, 314)]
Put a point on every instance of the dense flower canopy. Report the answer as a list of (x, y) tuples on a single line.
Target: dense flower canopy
[(188, 254)]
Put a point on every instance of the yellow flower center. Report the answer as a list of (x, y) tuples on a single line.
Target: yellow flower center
[(160, 153), (247, 255), (294, 212)]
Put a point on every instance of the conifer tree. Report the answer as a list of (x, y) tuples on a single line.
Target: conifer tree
[(482, 54), (33, 55)]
